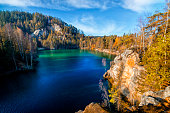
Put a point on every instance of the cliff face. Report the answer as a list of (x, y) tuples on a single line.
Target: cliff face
[(129, 82), (130, 71)]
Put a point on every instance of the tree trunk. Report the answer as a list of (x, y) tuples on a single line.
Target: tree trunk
[(31, 51)]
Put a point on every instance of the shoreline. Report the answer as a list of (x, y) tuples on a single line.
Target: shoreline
[(107, 51), (103, 51)]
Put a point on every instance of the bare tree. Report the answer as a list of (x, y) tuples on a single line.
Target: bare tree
[(9, 32), (18, 43), (21, 41), (31, 57)]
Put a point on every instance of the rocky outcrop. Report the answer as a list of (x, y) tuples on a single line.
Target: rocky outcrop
[(154, 98), (129, 82), (39, 33), (93, 108), (56, 27), (130, 71)]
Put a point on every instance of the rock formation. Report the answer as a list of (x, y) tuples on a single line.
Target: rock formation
[(93, 108), (131, 70)]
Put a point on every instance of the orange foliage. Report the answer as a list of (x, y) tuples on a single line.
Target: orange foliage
[(131, 62), (116, 42), (93, 46)]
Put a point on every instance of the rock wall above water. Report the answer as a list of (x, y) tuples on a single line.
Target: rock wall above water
[(131, 70)]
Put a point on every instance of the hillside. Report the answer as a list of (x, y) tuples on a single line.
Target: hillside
[(50, 32)]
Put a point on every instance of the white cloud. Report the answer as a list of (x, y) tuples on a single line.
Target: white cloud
[(134, 5), (60, 4), (89, 26), (139, 5), (88, 19), (23, 3), (99, 4), (83, 3), (50, 4)]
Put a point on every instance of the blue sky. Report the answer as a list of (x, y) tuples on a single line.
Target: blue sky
[(94, 17)]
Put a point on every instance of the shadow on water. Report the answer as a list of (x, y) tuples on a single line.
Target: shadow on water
[(15, 82)]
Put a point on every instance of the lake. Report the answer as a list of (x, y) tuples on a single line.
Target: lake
[(65, 81)]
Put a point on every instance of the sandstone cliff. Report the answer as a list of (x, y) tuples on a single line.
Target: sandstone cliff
[(130, 71), (129, 85)]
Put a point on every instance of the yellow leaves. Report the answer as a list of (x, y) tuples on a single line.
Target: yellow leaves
[(154, 61), (113, 93)]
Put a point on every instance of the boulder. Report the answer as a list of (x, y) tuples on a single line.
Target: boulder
[(93, 108), (146, 100), (166, 92), (154, 98)]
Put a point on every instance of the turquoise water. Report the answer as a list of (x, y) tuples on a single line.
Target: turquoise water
[(65, 81)]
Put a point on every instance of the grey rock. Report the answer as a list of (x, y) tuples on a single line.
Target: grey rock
[(148, 101), (126, 53), (125, 92), (117, 59), (166, 92), (154, 98)]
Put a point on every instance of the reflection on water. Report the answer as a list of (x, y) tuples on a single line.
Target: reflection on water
[(103, 85), (64, 82), (102, 54)]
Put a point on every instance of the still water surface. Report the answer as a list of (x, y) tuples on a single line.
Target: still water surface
[(65, 81)]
